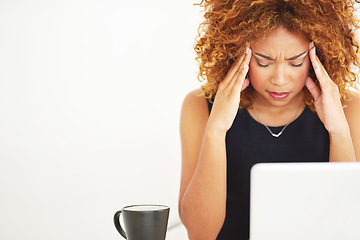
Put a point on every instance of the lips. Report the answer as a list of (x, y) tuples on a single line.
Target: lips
[(279, 95)]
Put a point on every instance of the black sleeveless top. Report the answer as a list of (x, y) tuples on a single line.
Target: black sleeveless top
[(248, 142)]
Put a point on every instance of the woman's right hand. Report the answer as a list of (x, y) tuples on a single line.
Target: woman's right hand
[(203, 173), (227, 99)]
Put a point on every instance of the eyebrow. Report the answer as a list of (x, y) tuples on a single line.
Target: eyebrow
[(269, 58)]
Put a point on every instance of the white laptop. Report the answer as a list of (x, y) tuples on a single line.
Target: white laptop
[(305, 201)]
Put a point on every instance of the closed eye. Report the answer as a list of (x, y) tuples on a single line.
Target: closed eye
[(262, 65), (297, 65)]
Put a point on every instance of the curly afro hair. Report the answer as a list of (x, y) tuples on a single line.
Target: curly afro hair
[(230, 24)]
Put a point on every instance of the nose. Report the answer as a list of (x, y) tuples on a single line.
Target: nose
[(279, 76)]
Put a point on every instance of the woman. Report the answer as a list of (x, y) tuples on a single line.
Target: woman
[(278, 78)]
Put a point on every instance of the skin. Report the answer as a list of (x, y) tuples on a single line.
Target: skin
[(278, 71), (202, 198)]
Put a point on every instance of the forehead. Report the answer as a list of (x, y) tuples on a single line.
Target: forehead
[(280, 40)]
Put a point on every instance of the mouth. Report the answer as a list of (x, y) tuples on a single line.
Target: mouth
[(279, 95)]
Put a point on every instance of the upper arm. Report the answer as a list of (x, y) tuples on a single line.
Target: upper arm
[(352, 113), (194, 116)]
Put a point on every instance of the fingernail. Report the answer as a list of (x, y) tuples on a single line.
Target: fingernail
[(314, 50), (245, 65), (247, 50), (312, 44)]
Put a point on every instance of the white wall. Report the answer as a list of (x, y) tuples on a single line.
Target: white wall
[(90, 98)]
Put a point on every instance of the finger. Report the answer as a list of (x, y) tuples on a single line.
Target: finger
[(240, 75), (245, 84), (234, 68), (319, 69), (313, 88)]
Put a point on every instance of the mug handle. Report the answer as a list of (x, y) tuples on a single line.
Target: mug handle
[(118, 225)]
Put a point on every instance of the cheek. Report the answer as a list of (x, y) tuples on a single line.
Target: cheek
[(255, 74), (302, 74)]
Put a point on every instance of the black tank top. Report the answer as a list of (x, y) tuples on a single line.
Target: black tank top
[(248, 142)]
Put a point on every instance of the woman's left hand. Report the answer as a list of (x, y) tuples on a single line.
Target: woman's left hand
[(326, 98)]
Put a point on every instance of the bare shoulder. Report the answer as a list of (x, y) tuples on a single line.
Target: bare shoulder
[(352, 113), (195, 105), (352, 107), (194, 117), (195, 99)]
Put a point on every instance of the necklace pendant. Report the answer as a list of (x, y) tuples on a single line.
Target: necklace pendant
[(273, 134), (276, 135)]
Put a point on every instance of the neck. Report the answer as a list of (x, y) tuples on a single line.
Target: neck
[(275, 116), (263, 105)]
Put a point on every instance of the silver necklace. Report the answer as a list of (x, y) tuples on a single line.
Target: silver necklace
[(282, 130)]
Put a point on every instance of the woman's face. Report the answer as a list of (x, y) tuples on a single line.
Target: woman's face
[(279, 67)]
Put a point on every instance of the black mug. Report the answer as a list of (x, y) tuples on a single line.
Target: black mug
[(143, 222)]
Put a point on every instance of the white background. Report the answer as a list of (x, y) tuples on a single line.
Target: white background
[(90, 100)]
